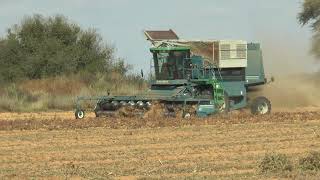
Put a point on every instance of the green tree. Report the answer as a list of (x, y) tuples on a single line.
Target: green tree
[(311, 15), (50, 46)]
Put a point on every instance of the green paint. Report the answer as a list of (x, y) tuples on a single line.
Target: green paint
[(179, 76)]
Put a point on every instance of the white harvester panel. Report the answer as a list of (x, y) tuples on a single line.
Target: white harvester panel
[(230, 53)]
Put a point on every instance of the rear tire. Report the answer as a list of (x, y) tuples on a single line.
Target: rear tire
[(97, 114), (79, 114), (96, 110), (261, 106), (186, 115)]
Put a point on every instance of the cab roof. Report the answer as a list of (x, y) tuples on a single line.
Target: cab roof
[(170, 48)]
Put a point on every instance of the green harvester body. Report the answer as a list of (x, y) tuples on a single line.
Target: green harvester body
[(184, 78)]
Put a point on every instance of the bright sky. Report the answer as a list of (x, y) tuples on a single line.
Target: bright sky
[(273, 23)]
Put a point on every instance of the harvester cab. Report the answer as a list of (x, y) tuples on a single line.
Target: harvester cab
[(171, 63), (194, 77)]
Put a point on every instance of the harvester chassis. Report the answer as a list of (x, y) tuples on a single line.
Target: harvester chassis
[(210, 76)]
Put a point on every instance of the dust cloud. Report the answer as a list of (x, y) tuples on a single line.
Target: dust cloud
[(292, 91), (295, 71)]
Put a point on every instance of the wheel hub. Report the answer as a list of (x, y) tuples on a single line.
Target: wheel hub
[(80, 114), (263, 108)]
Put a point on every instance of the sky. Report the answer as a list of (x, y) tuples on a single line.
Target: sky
[(273, 23)]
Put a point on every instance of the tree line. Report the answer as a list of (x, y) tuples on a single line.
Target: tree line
[(310, 15), (41, 47)]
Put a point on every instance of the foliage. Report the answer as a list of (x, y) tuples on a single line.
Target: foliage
[(311, 12), (43, 47), (275, 163), (311, 15), (46, 62), (310, 162), (59, 93)]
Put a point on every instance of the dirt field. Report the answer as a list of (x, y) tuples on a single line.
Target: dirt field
[(54, 145)]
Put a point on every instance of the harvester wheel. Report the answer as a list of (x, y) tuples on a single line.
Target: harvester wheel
[(97, 114), (186, 115), (96, 110), (261, 106), (79, 114)]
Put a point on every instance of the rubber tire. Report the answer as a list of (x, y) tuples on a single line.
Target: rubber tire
[(257, 102), (97, 114), (186, 115), (78, 113), (96, 110)]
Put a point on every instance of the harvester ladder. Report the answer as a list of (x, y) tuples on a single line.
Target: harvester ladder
[(218, 90)]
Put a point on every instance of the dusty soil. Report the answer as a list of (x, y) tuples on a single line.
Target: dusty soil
[(54, 145)]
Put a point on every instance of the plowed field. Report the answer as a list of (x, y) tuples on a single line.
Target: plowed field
[(54, 145)]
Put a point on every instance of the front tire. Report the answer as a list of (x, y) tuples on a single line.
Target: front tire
[(79, 114), (186, 115), (261, 106), (96, 110)]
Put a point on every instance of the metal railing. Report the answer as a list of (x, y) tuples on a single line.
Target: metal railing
[(207, 71)]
